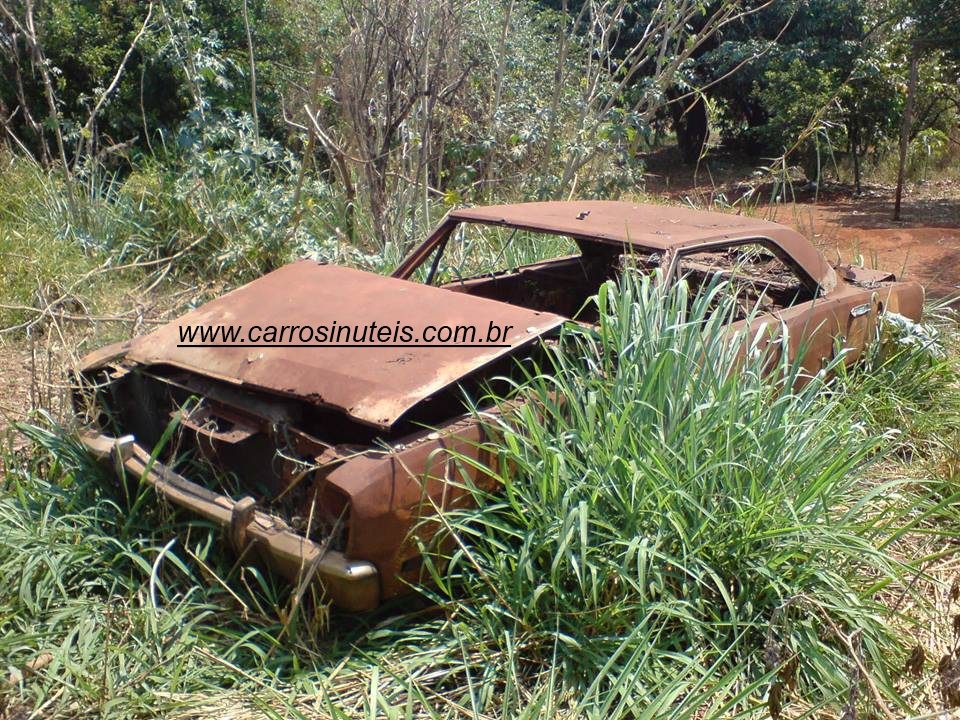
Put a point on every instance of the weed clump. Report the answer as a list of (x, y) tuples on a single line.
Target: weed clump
[(674, 500)]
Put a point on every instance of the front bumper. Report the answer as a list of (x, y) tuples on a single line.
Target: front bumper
[(351, 585)]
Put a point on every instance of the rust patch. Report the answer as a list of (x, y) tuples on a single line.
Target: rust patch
[(367, 382), (653, 227)]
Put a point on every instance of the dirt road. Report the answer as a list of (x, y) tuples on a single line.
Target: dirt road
[(924, 245)]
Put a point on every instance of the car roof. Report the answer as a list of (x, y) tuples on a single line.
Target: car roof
[(657, 227)]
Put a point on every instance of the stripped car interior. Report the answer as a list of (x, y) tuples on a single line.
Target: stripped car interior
[(321, 460)]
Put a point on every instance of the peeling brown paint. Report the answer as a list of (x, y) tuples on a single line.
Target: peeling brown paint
[(324, 432)]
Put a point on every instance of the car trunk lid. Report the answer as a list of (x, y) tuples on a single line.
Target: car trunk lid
[(375, 383)]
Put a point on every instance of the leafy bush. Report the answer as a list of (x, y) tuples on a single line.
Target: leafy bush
[(190, 48), (223, 202), (653, 490), (908, 381), (227, 201), (930, 148)]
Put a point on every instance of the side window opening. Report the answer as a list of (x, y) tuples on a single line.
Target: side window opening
[(537, 270), (756, 271), (475, 250)]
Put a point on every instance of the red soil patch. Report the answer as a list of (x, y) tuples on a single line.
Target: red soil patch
[(923, 246)]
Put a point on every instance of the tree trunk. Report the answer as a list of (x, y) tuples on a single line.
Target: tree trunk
[(690, 123), (253, 73), (853, 135), (905, 130), (856, 169)]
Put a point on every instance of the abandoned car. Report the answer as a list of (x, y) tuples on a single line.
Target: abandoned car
[(319, 457)]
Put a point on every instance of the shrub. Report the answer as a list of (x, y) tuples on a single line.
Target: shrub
[(654, 491), (908, 381)]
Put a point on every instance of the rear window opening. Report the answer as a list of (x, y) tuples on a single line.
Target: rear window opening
[(559, 274), (758, 274)]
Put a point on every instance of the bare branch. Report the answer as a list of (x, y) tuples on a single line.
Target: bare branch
[(253, 71), (86, 134)]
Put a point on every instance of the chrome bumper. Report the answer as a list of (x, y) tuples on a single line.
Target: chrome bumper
[(351, 585)]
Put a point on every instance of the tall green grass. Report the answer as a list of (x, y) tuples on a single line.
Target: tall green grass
[(226, 206), (674, 538), (135, 625), (652, 482), (908, 381)]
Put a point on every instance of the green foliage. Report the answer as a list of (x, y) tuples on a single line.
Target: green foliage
[(84, 43), (908, 382), (226, 202), (646, 490), (36, 260), (136, 624), (194, 51), (816, 78), (817, 109), (929, 149), (793, 94), (824, 78), (512, 139), (793, 57), (75, 574), (673, 539), (223, 203), (934, 25)]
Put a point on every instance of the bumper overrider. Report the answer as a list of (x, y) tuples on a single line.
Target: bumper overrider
[(352, 585)]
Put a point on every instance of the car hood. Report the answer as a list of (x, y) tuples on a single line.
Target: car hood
[(376, 384)]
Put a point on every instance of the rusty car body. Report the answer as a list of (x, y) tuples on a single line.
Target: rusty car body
[(322, 459)]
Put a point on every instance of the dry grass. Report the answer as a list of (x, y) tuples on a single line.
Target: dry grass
[(388, 672)]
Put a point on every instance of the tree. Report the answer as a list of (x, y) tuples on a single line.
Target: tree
[(933, 27), (402, 62), (869, 104), (71, 50)]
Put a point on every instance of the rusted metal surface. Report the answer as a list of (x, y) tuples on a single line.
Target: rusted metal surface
[(352, 585), (654, 227), (370, 495), (373, 384)]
